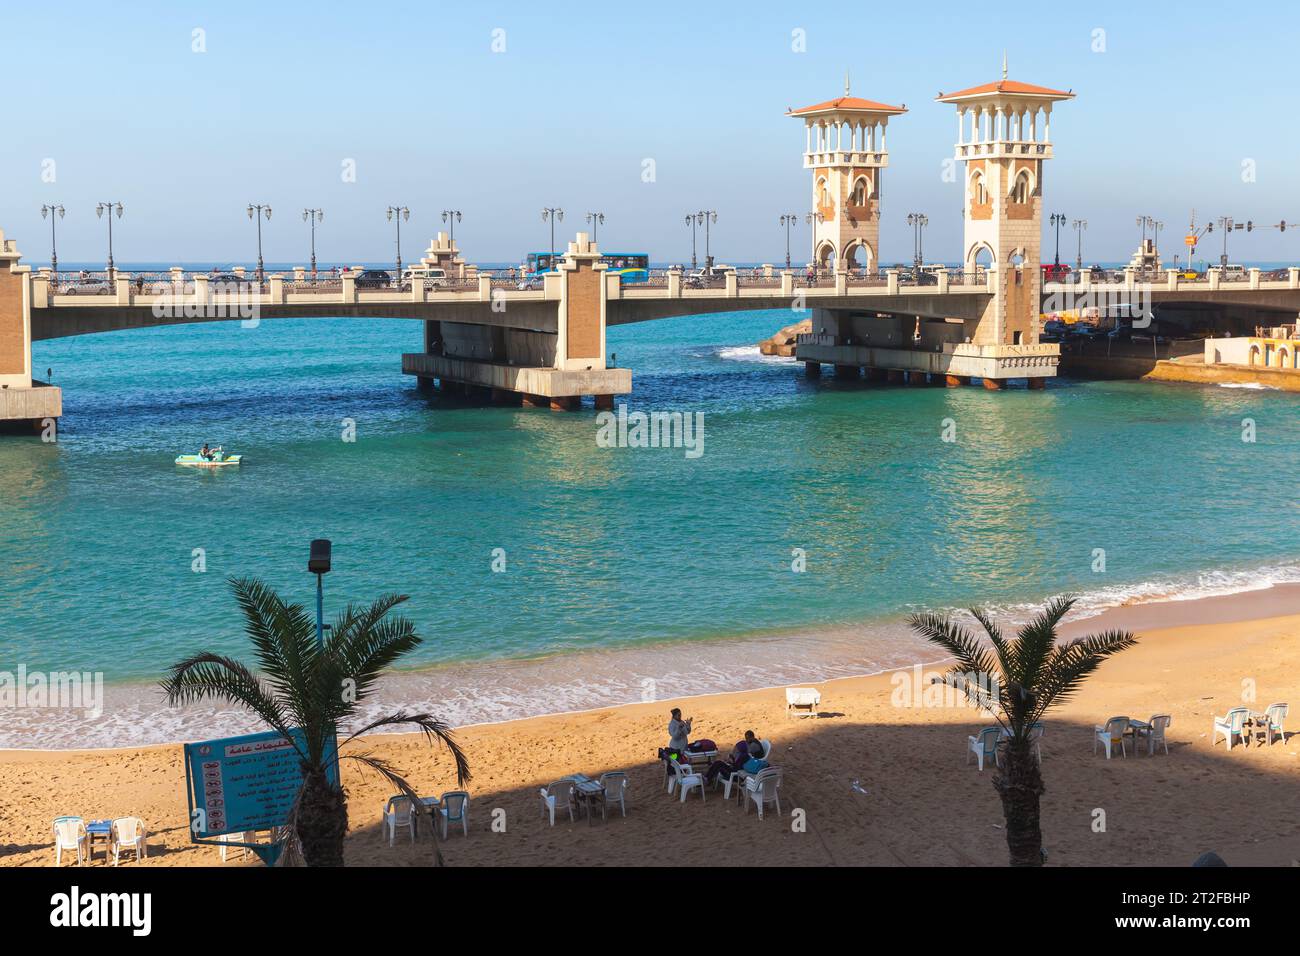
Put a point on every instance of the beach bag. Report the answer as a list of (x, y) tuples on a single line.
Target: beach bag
[(755, 764), (701, 746)]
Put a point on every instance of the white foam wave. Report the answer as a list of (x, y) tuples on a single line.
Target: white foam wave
[(488, 692), (749, 353)]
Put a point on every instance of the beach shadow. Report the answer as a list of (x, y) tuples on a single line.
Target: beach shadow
[(871, 794)]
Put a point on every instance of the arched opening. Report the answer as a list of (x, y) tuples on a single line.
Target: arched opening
[(861, 192), (1017, 338), (1254, 355), (1282, 357), (858, 258), (979, 195), (823, 194), (824, 257), (1017, 262), (1022, 189), (980, 257)]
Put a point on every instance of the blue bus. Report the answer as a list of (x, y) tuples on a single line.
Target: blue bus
[(628, 266)]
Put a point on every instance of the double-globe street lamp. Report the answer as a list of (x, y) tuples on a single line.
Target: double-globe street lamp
[(552, 214), (918, 221), (313, 216), (1080, 226), (110, 208), (451, 217), (255, 212), (55, 212), (788, 220), (397, 214)]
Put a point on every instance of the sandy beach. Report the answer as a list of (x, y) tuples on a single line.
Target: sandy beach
[(923, 804)]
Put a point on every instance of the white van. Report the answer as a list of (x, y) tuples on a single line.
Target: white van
[(432, 276)]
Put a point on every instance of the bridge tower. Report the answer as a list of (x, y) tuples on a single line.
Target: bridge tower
[(1004, 138), (24, 403), (846, 153)]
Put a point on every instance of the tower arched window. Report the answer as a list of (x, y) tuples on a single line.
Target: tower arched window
[(1020, 192), (978, 194), (859, 193)]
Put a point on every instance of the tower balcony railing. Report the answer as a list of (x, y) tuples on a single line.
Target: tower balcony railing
[(846, 157), (1005, 147)]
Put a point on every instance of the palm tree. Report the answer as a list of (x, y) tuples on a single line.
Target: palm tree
[(314, 689), (1018, 680)]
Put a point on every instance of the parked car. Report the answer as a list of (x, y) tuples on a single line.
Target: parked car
[(374, 279), (531, 283)]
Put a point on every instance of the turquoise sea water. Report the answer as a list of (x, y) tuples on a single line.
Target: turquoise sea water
[(622, 565)]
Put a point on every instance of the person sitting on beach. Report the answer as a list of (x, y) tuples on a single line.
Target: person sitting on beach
[(678, 731), (745, 749)]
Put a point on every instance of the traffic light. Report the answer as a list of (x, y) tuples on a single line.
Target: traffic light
[(1249, 225)]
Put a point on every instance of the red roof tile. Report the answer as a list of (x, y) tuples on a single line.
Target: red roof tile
[(1004, 86), (849, 104)]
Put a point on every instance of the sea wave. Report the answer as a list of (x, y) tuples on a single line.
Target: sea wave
[(749, 353), (136, 714)]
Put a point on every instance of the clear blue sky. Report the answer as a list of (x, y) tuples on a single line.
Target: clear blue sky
[(413, 92)]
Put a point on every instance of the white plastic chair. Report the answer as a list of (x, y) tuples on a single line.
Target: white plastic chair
[(615, 784), (685, 779), (767, 748), (398, 812), (70, 834), (1230, 725), (984, 744), (1273, 718), (454, 808), (1111, 734), (1036, 731), (1154, 734), (764, 788), (127, 833), (558, 795)]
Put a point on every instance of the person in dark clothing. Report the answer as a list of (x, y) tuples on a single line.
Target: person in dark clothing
[(749, 747)]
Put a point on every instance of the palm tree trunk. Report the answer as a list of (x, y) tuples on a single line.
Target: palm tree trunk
[(1020, 784), (322, 820)]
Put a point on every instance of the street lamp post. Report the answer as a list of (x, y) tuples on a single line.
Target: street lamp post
[(707, 216), (811, 218), (1079, 226), (788, 220), (256, 212), (397, 214), (318, 563), (690, 221), (313, 216), (54, 212), (595, 219), (451, 217), (552, 214), (918, 221), (1057, 220), (110, 208), (1155, 237)]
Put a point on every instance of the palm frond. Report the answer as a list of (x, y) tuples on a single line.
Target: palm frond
[(433, 729), (385, 770), (956, 640), (1037, 640), (207, 675), (1074, 660)]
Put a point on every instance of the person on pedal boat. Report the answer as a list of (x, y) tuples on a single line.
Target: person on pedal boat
[(206, 453)]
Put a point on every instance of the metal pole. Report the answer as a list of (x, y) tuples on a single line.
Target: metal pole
[(320, 611)]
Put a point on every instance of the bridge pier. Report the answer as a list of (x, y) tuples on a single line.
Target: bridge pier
[(551, 359), (25, 404), (847, 372), (812, 369)]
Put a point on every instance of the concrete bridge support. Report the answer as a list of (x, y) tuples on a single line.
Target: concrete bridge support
[(25, 404), (543, 368)]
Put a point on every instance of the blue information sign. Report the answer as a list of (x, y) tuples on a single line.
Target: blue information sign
[(242, 784)]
